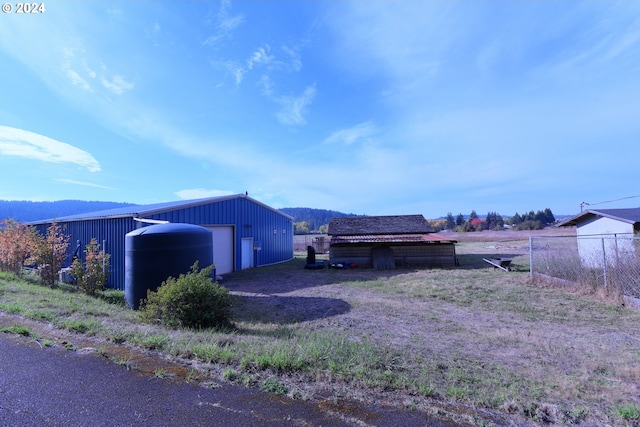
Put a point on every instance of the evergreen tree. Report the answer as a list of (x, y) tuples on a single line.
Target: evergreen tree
[(494, 221), (451, 222), (541, 217), (516, 219), (460, 219)]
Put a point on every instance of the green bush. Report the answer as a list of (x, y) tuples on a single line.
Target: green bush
[(92, 276), (192, 300)]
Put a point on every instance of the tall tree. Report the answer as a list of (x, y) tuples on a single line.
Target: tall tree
[(450, 222), (541, 217), (516, 219), (550, 218), (494, 221)]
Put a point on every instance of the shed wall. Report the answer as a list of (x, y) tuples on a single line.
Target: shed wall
[(604, 226), (431, 255), (601, 235)]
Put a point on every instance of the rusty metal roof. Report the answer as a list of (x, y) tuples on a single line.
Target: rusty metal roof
[(392, 238)]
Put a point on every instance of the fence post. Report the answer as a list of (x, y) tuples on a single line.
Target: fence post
[(604, 266), (530, 257)]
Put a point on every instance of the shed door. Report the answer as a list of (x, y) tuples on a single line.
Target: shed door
[(222, 248), (247, 252)]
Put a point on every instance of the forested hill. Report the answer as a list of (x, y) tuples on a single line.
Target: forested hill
[(314, 217), (26, 211)]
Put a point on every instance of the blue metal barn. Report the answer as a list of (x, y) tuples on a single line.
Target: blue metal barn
[(246, 232)]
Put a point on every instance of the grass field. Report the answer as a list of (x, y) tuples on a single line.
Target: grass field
[(474, 343)]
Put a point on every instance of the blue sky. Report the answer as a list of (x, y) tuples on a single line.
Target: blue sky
[(366, 107)]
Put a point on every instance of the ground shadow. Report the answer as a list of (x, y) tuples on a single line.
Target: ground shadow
[(281, 279), (291, 275), (284, 309)]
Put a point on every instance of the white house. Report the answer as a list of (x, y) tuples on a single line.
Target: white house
[(605, 235)]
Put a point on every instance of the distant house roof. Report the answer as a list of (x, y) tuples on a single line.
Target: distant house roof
[(630, 216), (379, 225), (141, 211)]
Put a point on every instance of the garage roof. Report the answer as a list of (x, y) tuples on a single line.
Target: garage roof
[(629, 215), (140, 211)]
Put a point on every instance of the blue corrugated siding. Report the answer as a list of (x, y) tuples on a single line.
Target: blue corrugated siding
[(249, 220), (272, 230), (109, 231)]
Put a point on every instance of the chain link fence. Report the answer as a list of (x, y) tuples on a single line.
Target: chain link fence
[(609, 264)]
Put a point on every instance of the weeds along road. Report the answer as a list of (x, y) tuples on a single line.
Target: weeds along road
[(50, 386)]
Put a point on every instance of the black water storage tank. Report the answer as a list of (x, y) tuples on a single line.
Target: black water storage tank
[(156, 252)]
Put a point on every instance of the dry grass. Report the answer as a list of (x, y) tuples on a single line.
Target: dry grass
[(478, 343), (490, 338)]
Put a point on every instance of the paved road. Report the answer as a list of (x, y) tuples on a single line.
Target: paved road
[(54, 387)]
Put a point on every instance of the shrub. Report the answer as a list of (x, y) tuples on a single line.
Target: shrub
[(92, 276), (50, 253), (192, 300), (530, 225), (17, 245)]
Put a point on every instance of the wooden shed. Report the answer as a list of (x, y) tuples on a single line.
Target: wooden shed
[(387, 242)]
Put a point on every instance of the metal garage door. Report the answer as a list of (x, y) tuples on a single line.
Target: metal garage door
[(222, 248)]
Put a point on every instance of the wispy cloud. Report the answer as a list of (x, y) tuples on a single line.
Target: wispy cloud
[(295, 63), (293, 108), (224, 24), (232, 68), (238, 69), (353, 134), (75, 66), (116, 84), (67, 66), (260, 57), (22, 143), (201, 193), (83, 183), (602, 46)]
